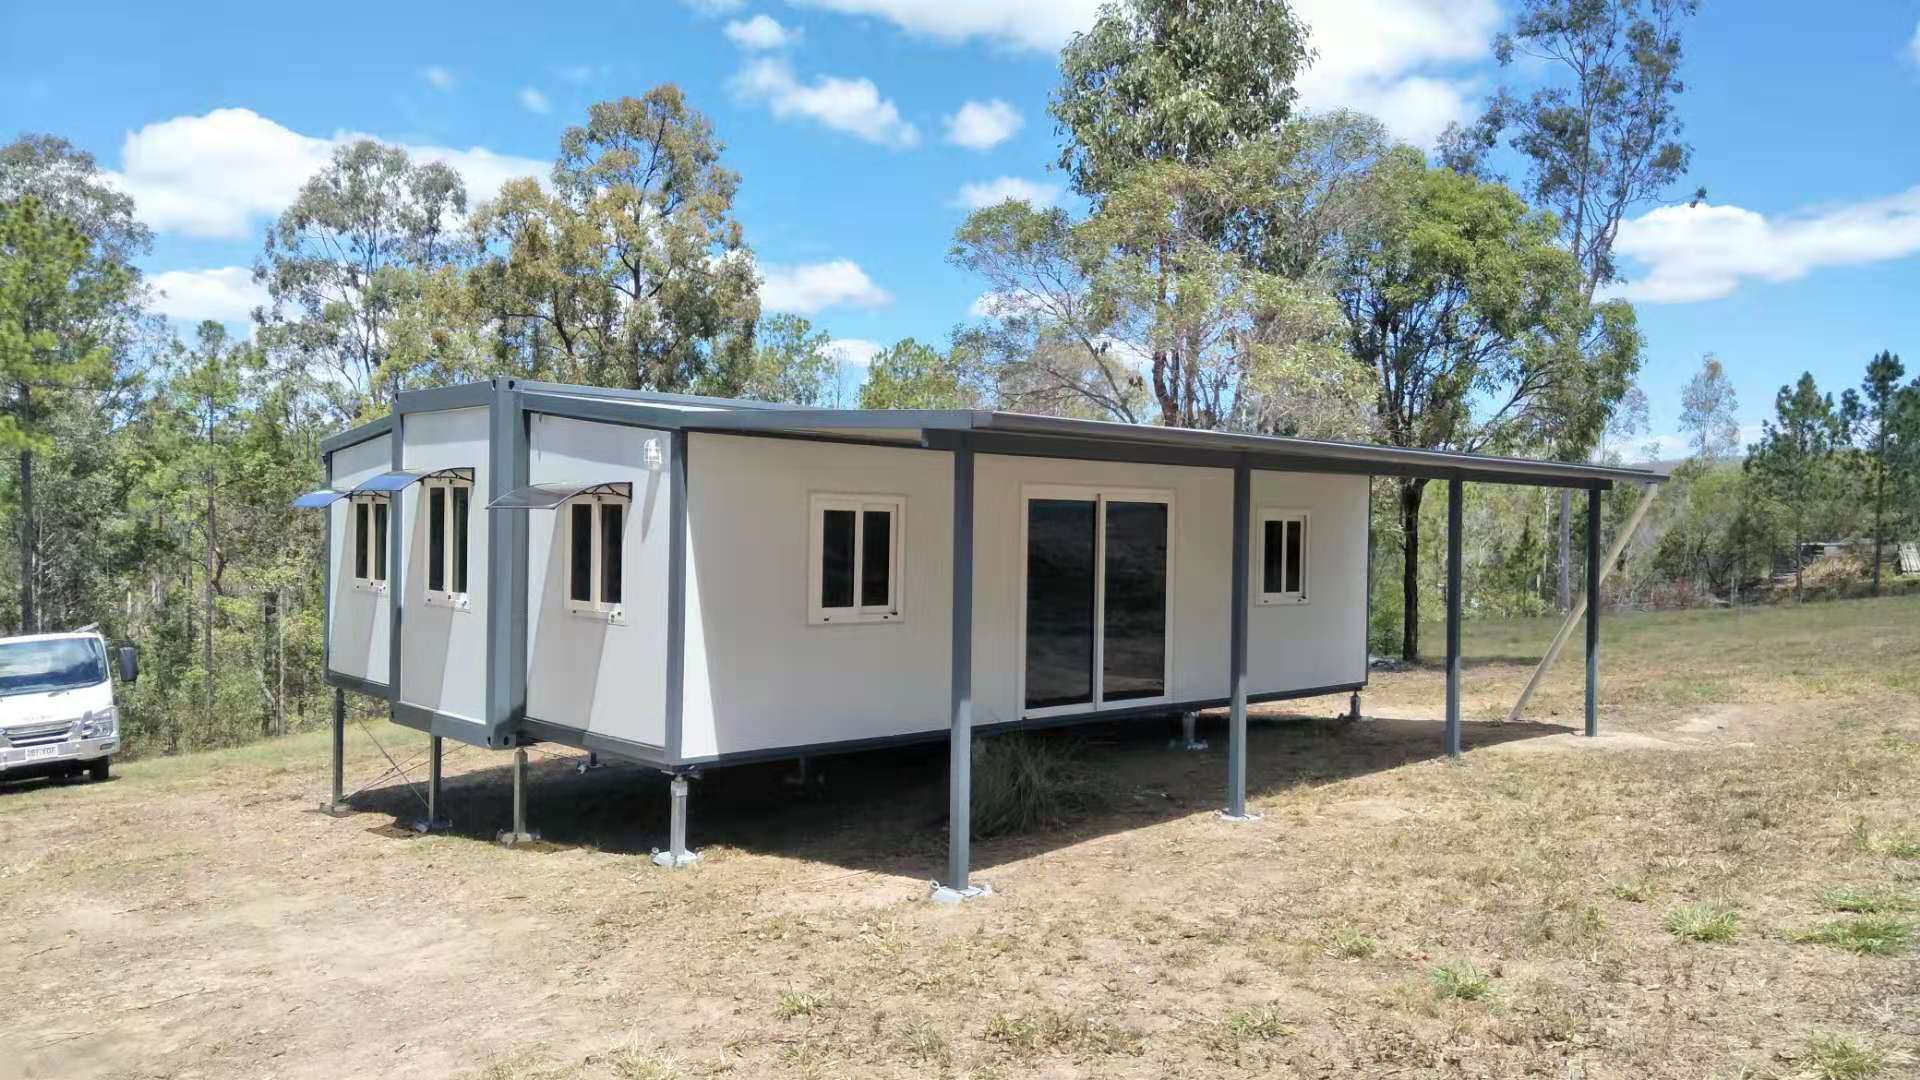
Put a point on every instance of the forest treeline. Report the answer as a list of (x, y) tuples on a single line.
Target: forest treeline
[(1228, 262)]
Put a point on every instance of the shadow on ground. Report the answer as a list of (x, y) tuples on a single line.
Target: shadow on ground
[(885, 810)]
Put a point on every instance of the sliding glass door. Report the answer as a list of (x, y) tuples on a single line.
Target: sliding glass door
[(1095, 599)]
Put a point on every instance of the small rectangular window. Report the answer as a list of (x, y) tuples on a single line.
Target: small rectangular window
[(448, 502), (436, 539), (854, 556), (462, 502), (580, 587), (596, 557), (361, 536), (380, 541), (1283, 558), (876, 557), (612, 529)]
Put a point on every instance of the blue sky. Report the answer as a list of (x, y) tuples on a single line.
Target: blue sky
[(858, 125)]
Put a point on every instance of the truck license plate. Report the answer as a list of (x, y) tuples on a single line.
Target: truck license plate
[(37, 753)]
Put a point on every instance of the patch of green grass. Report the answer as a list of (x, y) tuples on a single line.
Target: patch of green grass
[(1868, 935), (1243, 1030), (1351, 944), (1026, 782), (1836, 1057), (1461, 981), (798, 1003), (1047, 1031), (1861, 902), (1900, 845), (1633, 892), (924, 1043), (1703, 922)]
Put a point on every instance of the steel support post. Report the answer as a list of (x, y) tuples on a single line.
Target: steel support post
[(676, 856), (1242, 570), (957, 887), (1593, 611), (1190, 733), (1353, 708), (436, 755), (1455, 493), (337, 802), (519, 834)]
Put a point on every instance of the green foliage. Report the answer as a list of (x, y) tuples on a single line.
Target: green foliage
[(792, 362), (1836, 1057), (1166, 81), (1794, 463), (632, 272), (910, 375)]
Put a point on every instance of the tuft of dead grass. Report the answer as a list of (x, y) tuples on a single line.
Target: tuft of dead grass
[(1837, 1057), (1025, 781)]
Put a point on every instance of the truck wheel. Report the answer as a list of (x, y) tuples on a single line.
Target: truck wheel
[(97, 768)]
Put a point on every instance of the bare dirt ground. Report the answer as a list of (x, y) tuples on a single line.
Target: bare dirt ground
[(1391, 915)]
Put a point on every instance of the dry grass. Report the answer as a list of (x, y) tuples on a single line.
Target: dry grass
[(196, 917)]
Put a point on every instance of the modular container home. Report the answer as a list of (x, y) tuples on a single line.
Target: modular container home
[(692, 582)]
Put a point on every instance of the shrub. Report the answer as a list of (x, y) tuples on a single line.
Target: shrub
[(1024, 782)]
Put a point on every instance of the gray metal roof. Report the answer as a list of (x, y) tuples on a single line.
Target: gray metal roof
[(1018, 433)]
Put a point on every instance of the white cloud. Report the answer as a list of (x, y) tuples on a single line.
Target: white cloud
[(987, 193), (217, 175), (850, 105), (1687, 254), (1913, 46), (855, 352), (1028, 24), (225, 294), (577, 73), (983, 125), (811, 287), (761, 32), (440, 78), (534, 101), (1396, 59)]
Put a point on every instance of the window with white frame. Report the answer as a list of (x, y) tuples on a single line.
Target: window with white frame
[(1282, 562), (596, 555), (368, 534), (449, 521), (854, 558)]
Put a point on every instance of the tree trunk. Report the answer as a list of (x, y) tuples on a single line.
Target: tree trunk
[(206, 628), (1410, 495), (1563, 597), (29, 617), (1879, 510)]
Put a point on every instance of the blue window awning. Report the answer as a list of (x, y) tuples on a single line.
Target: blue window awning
[(313, 500), (548, 496)]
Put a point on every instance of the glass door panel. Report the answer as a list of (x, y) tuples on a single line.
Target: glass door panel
[(1133, 618), (1060, 602)]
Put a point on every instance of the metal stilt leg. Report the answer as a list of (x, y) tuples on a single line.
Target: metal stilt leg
[(519, 834), (1353, 709), (435, 756), (1189, 733), (337, 803), (676, 855)]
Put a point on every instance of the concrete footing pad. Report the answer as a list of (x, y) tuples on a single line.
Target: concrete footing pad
[(427, 825), (943, 894), (675, 862), (1242, 818), (509, 838)]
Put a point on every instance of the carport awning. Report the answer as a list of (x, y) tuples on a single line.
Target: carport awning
[(548, 496)]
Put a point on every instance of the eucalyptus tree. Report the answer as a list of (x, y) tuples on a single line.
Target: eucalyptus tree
[(1709, 412), (912, 375), (1600, 137), (346, 260), (792, 362), (1469, 314), (631, 270)]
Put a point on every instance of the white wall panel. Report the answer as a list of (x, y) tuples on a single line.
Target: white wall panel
[(443, 650), (584, 672), (758, 675), (359, 622), (1323, 641)]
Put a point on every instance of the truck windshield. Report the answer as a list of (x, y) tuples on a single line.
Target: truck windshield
[(36, 667)]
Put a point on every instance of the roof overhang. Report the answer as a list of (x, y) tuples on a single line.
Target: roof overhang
[(550, 496)]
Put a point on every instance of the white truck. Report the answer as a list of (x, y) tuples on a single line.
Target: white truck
[(57, 713)]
